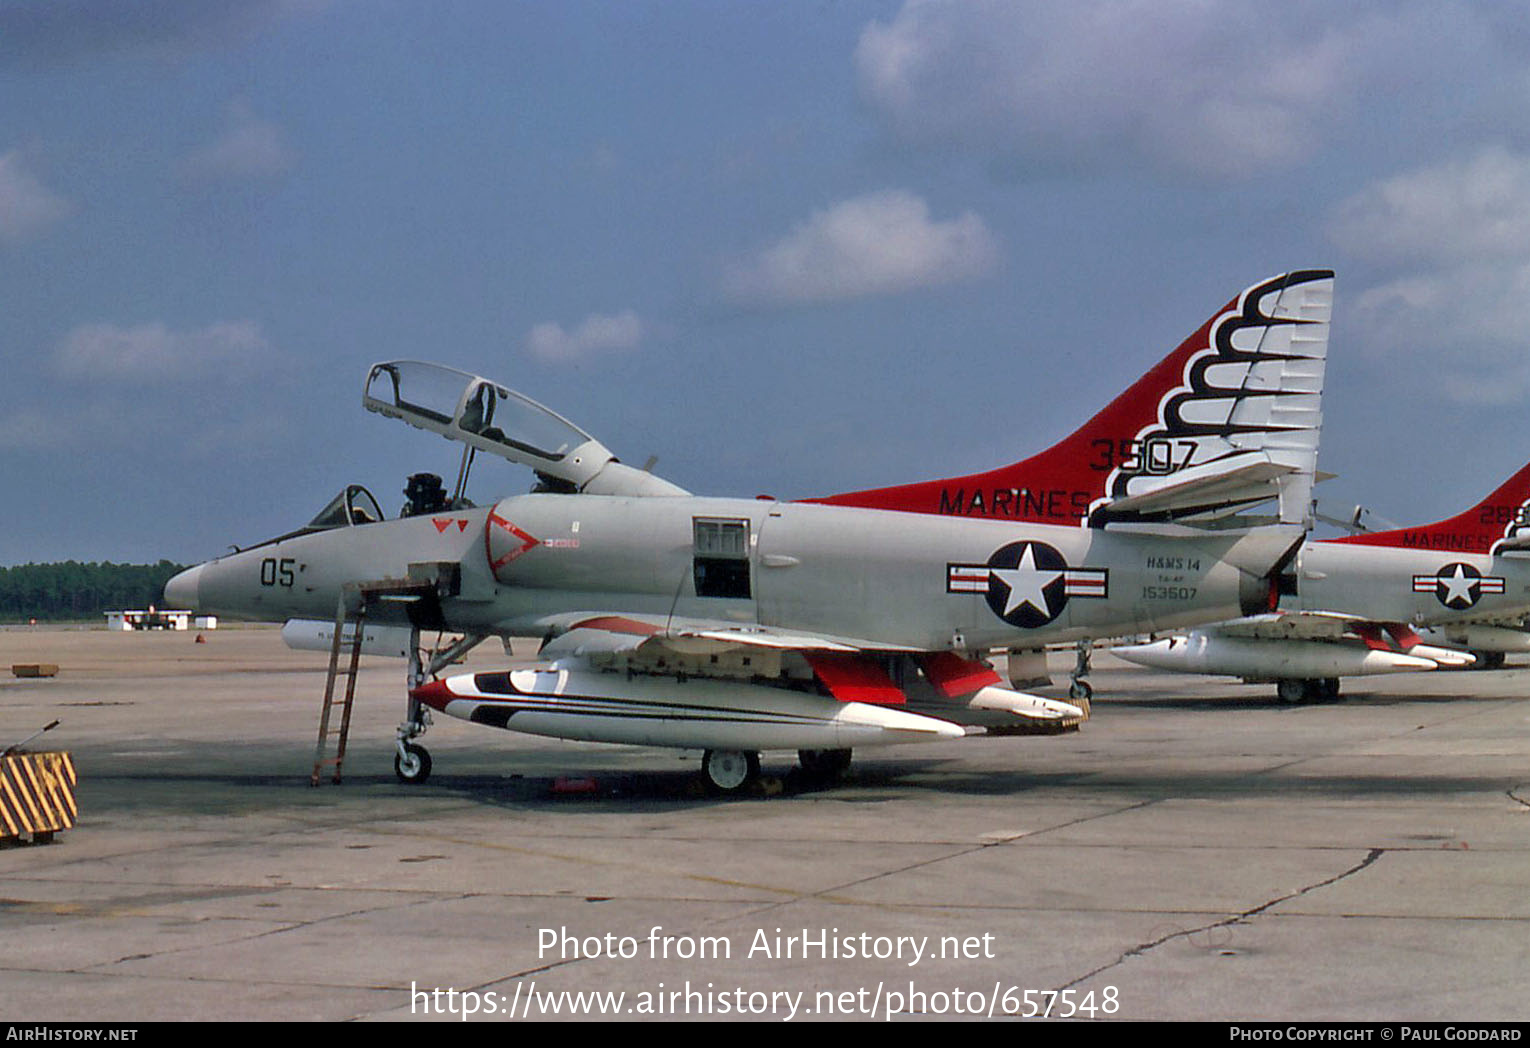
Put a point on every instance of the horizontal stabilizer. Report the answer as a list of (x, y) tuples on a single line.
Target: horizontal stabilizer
[(1212, 490)]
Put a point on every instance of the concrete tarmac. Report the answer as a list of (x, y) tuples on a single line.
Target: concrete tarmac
[(1197, 851)]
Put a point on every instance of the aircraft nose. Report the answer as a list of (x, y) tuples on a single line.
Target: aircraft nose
[(184, 590), (434, 694)]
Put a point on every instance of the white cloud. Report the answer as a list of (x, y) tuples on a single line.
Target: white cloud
[(26, 205), (1461, 209), (1465, 322), (249, 147), (1455, 237), (153, 352), (1217, 88), (594, 334), (878, 244)]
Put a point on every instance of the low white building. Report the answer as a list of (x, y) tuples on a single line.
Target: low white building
[(159, 620)]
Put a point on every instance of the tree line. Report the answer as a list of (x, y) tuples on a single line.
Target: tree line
[(72, 590)]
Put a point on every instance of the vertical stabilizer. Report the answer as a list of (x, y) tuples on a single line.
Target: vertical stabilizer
[(1498, 523), (1229, 419)]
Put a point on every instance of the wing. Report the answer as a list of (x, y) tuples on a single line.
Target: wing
[(941, 684), (588, 633), (1296, 645), (1294, 625)]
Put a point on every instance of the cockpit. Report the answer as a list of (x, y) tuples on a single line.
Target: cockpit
[(353, 506), (482, 416)]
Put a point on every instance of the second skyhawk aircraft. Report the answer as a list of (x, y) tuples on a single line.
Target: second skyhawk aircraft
[(1443, 595)]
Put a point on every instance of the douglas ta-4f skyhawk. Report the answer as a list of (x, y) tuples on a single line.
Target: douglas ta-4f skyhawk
[(1400, 600), (739, 625)]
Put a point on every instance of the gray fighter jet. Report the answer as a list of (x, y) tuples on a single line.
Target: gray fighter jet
[(734, 626)]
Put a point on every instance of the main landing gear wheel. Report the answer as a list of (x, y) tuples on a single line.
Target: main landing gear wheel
[(824, 764), (729, 771), (1293, 692), (412, 766)]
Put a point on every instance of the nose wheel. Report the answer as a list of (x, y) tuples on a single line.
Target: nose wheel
[(411, 763), (729, 771)]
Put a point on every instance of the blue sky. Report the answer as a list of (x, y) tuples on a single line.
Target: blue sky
[(793, 248)]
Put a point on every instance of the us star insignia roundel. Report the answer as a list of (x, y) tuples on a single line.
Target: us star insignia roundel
[(1458, 586), (1027, 584)]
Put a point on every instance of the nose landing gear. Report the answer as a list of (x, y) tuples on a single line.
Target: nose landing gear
[(412, 763)]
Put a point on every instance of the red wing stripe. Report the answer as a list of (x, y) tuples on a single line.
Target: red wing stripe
[(853, 678), (1371, 634), (953, 676)]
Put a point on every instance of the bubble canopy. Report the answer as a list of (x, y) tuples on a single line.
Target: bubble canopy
[(495, 419)]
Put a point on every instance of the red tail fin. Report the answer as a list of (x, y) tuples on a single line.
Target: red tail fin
[(1502, 515), (1179, 414)]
